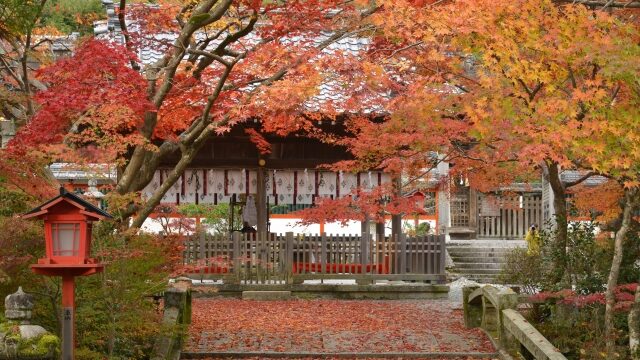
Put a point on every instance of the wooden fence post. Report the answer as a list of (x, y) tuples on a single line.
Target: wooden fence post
[(403, 253), (201, 262), (443, 255), (237, 271), (288, 259), (323, 252)]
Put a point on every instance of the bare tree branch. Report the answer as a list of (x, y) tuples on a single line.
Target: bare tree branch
[(125, 32), (602, 4), (580, 180)]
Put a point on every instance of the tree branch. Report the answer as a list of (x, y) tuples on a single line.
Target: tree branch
[(580, 180), (614, 4), (125, 33)]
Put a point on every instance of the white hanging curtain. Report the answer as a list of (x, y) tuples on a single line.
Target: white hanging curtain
[(282, 186)]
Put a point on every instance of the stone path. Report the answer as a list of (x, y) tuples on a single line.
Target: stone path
[(344, 328)]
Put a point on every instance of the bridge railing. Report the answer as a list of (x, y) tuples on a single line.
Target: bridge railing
[(495, 311)]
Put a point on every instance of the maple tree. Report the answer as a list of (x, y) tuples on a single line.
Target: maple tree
[(552, 85), (610, 146), (18, 20), (28, 31), (223, 62), (500, 89)]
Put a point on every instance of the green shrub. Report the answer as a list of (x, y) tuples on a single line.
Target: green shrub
[(116, 315), (588, 261), (573, 320), (523, 270), (578, 332)]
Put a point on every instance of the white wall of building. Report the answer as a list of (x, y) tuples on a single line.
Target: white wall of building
[(336, 228), (281, 226)]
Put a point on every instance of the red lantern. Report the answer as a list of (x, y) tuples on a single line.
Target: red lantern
[(418, 197), (67, 234)]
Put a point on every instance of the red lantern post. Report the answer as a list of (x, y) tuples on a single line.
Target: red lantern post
[(67, 232)]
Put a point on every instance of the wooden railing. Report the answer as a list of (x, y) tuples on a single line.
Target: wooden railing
[(495, 311), (508, 217), (289, 258)]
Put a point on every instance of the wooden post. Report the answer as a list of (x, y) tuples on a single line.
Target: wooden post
[(443, 254), (323, 251), (288, 260), (261, 200), (396, 220), (261, 255), (236, 238), (403, 253), (201, 262), (68, 317)]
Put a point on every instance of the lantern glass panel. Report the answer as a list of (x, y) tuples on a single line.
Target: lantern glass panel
[(66, 239)]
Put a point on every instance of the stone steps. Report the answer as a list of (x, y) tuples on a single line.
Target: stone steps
[(479, 265), (482, 278), (474, 250), (479, 259), (479, 271), (479, 262)]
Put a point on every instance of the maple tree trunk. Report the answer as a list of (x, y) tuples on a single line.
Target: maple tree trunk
[(154, 200), (634, 327), (157, 94), (560, 208), (609, 327)]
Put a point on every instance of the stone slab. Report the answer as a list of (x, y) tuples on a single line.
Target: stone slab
[(266, 295)]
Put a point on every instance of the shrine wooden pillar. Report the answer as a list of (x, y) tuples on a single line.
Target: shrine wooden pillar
[(396, 219), (261, 199)]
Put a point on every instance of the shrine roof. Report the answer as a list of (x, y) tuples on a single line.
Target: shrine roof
[(104, 173), (72, 198), (332, 93)]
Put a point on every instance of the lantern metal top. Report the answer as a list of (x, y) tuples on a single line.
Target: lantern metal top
[(84, 206)]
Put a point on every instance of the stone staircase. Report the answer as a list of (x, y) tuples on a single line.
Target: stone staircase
[(478, 260)]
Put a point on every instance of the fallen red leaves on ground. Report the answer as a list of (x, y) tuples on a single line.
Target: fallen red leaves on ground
[(331, 326)]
